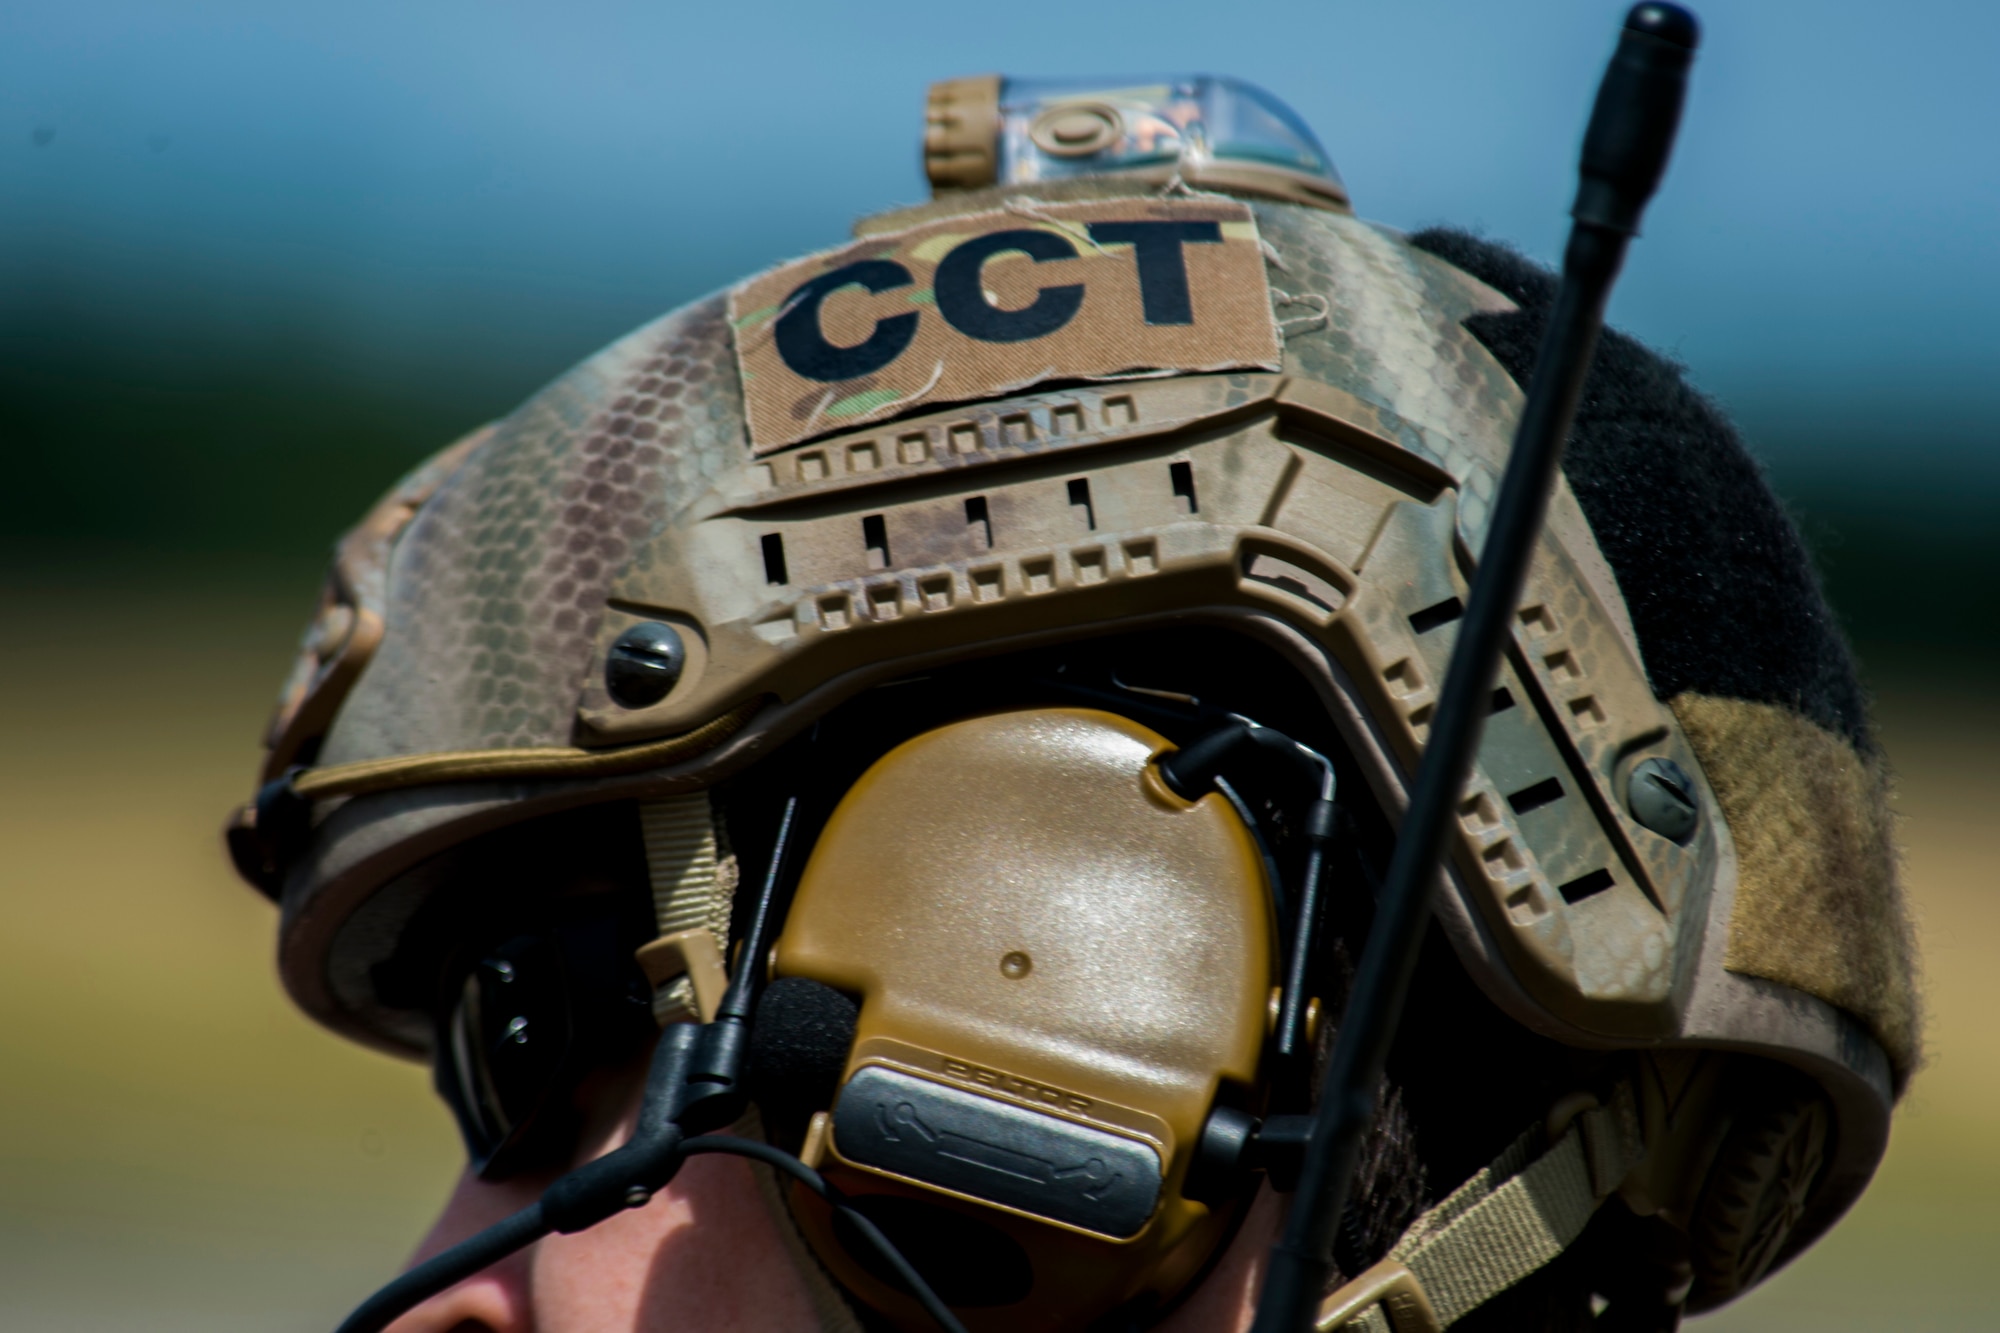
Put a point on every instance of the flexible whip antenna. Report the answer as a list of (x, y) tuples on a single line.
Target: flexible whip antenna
[(1625, 152)]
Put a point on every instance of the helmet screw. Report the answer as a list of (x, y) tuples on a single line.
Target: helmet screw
[(1661, 797), (638, 1196), (644, 664)]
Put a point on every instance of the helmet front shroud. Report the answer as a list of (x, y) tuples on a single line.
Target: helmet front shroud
[(1746, 974)]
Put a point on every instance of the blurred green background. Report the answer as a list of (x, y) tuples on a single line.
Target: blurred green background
[(256, 262)]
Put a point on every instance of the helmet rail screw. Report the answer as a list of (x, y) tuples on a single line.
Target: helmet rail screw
[(644, 664), (1661, 797)]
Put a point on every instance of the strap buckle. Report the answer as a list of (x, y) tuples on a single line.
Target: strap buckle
[(1389, 1285), (692, 954)]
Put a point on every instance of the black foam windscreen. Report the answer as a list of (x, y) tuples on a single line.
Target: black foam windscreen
[(798, 1048)]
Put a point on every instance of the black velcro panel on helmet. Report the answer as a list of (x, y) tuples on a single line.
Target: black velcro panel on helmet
[(1721, 591)]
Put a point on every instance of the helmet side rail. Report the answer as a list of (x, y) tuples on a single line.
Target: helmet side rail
[(1625, 153)]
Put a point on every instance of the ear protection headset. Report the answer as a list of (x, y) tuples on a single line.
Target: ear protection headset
[(1047, 971), (1063, 967), (1043, 998)]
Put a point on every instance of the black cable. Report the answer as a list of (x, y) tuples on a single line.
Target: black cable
[(463, 1260), (442, 1271), (814, 1181), (1290, 1040), (1281, 894), (1624, 154), (693, 1077), (622, 1178), (1190, 772)]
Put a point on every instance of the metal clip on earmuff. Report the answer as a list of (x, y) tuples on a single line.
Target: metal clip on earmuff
[(694, 1085), (1625, 152)]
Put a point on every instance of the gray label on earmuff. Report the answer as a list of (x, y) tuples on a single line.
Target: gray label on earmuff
[(996, 1151)]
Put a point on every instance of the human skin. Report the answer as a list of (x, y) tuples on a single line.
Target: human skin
[(705, 1256)]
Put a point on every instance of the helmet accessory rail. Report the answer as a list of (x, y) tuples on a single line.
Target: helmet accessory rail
[(1625, 152)]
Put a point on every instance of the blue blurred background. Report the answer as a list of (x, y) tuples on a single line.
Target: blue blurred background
[(254, 256), (256, 259)]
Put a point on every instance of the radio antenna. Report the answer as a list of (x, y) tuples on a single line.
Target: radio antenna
[(1625, 151)]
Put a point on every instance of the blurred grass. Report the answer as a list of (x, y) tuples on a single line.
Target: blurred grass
[(179, 1149)]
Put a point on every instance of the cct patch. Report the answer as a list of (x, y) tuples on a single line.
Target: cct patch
[(985, 304)]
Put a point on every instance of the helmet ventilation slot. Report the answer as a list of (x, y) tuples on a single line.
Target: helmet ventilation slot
[(1546, 792), (875, 536), (774, 558), (1585, 886), (978, 523), (1434, 617), (1079, 503)]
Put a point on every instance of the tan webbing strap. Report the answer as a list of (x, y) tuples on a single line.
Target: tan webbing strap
[(1509, 1220), (692, 891)]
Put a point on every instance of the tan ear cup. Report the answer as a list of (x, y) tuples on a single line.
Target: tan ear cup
[(1758, 1190)]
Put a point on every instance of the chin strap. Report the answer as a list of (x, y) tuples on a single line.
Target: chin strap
[(1511, 1219)]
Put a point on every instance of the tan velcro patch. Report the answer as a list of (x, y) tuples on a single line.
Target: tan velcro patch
[(1817, 902), (981, 305)]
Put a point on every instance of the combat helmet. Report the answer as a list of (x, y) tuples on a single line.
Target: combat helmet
[(1051, 573)]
